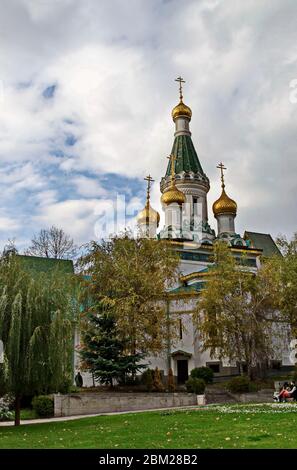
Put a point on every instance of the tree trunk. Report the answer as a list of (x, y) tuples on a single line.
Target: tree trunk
[(17, 410), (240, 368), (250, 371)]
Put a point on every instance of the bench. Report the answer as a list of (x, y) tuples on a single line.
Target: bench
[(278, 386)]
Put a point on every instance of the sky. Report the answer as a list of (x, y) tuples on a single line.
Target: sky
[(86, 93)]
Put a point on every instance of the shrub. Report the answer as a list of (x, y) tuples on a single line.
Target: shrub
[(170, 381), (157, 381), (65, 387), (205, 373), (43, 406), (195, 385), (147, 379), (5, 413), (239, 384), (130, 380)]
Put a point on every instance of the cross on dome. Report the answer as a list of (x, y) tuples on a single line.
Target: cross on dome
[(222, 168), (180, 80)]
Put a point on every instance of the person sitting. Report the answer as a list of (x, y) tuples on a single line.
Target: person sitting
[(283, 394)]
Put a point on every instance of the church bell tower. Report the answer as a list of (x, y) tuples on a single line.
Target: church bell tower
[(185, 174)]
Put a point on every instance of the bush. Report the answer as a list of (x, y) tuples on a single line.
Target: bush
[(195, 385), (43, 406), (240, 384), (205, 373), (157, 381), (5, 413), (130, 380), (170, 381), (147, 379), (65, 387)]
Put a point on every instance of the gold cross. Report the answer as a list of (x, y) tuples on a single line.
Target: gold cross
[(222, 168), (172, 158), (149, 180), (180, 80)]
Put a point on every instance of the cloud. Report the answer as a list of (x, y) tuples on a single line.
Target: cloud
[(87, 91), (88, 187)]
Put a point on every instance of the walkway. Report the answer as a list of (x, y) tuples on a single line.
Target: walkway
[(71, 418)]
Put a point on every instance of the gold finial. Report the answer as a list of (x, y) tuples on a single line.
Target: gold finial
[(172, 158), (180, 80), (224, 205), (149, 180), (222, 168), (172, 194)]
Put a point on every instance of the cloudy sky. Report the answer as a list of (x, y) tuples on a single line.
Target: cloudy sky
[(86, 92)]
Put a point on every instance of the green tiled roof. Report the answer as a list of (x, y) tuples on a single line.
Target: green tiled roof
[(263, 241), (186, 157), (39, 264), (195, 287)]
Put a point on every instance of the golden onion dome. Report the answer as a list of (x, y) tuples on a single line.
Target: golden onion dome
[(171, 195), (224, 205), (148, 215), (181, 110)]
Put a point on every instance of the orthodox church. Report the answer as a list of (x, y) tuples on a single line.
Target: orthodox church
[(184, 189)]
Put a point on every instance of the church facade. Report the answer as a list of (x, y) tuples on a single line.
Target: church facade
[(184, 189)]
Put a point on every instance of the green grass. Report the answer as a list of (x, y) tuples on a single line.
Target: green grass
[(239, 426)]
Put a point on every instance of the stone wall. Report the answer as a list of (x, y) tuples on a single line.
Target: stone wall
[(94, 403), (263, 396)]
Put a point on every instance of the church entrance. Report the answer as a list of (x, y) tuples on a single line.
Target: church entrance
[(182, 371)]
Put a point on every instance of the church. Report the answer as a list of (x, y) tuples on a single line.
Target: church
[(184, 189)]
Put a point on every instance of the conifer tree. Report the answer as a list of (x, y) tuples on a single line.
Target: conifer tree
[(102, 352)]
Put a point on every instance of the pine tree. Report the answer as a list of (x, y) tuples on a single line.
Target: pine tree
[(103, 353)]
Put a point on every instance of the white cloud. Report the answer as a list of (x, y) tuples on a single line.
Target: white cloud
[(113, 65)]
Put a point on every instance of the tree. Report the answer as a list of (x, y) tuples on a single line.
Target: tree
[(102, 352), (133, 276), (285, 269), (236, 314), (52, 243), (36, 327), (10, 248)]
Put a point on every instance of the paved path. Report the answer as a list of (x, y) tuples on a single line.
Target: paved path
[(71, 418)]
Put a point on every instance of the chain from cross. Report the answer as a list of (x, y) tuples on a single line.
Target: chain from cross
[(180, 80), (149, 180), (222, 168)]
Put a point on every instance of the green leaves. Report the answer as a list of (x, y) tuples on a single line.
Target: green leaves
[(36, 326), (132, 276), (236, 315)]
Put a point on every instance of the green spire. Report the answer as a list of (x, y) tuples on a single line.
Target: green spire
[(186, 157)]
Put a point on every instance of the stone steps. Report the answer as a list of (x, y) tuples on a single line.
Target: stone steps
[(217, 395)]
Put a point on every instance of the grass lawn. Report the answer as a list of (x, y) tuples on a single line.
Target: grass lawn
[(233, 426)]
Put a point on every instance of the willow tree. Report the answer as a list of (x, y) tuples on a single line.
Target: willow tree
[(133, 276), (36, 327), (236, 314)]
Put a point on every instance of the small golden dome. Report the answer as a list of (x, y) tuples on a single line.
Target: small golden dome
[(224, 205), (181, 110), (148, 215), (172, 194)]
